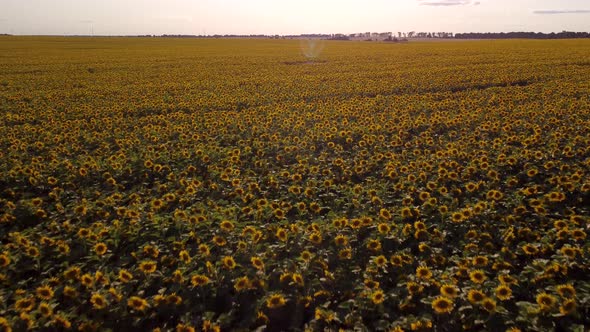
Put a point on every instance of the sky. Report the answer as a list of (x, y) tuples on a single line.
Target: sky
[(284, 17)]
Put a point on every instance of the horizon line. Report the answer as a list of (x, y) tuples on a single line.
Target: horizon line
[(394, 34)]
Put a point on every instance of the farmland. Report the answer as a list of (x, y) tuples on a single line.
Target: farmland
[(181, 184)]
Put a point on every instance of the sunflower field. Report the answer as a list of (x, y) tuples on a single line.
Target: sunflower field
[(236, 185)]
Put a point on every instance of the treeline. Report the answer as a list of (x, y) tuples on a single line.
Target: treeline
[(214, 36), (527, 35)]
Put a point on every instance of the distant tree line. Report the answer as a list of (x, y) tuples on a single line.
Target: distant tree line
[(526, 35), (414, 34), (214, 36), (390, 37), (395, 39)]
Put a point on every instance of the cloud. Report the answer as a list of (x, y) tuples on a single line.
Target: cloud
[(553, 12), (446, 3)]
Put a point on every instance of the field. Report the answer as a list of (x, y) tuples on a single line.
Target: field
[(235, 185)]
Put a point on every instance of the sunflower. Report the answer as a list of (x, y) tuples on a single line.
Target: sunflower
[(177, 277), (424, 195), (383, 228), (261, 203), (137, 303), (125, 276), (315, 207), (198, 280), (489, 304), (72, 273), (423, 272), (157, 204), (374, 245), (380, 261), (568, 307), (219, 241), (301, 206), (419, 225), (184, 328), (148, 267), (475, 296), (385, 214), (566, 291), (477, 276), (27, 320), (378, 296), (32, 251), (341, 240), (281, 234), (503, 292), (569, 252), (204, 249), (4, 260), (70, 292), (242, 284), (371, 283), (467, 213), (170, 197), (315, 237), (377, 201), (356, 223), (100, 248), (98, 301), (284, 277), (406, 212), (457, 217), (62, 321), (545, 301), (470, 186), (279, 214), (45, 309), (229, 262), (507, 279), (563, 234), (297, 278), (257, 263), (442, 305), (345, 253), (396, 329), (479, 261), (184, 256), (25, 304), (449, 290), (414, 288), (578, 234), (227, 226), (367, 221), (275, 301), (305, 255), (44, 292), (396, 260)]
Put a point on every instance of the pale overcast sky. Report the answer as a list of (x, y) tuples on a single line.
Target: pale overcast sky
[(132, 17)]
